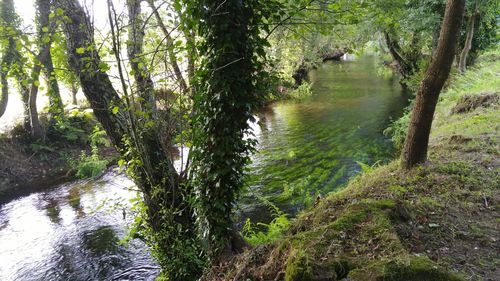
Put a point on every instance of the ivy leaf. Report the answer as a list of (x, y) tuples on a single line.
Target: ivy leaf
[(104, 66), (115, 110), (80, 51)]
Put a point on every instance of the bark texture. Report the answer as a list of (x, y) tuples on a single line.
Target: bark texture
[(404, 67), (417, 139), (142, 78), (168, 212)]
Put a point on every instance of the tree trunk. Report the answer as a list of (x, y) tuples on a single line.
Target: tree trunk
[(135, 44), (24, 89), (74, 92), (224, 103), (417, 139), (45, 30), (36, 127), (56, 106), (169, 44), (404, 68), (468, 43), (169, 215), (10, 54), (4, 98), (95, 83)]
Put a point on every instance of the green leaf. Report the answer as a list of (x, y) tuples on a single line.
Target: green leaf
[(115, 110), (80, 51)]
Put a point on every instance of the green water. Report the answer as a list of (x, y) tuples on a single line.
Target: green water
[(312, 147)]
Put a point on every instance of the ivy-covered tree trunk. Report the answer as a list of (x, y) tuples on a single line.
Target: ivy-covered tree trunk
[(56, 106), (224, 100), (417, 139), (4, 96)]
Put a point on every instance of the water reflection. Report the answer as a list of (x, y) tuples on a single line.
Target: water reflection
[(312, 147), (304, 149), (63, 235)]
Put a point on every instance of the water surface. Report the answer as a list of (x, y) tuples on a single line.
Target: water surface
[(313, 147), (305, 148)]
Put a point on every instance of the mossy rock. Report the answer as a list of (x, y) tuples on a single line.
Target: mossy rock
[(416, 269)]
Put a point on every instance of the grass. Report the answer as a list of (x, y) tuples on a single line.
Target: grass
[(436, 222)]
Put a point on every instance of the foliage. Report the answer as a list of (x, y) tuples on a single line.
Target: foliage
[(462, 84), (226, 96), (184, 259), (397, 130), (302, 92), (261, 233), (90, 166), (99, 137)]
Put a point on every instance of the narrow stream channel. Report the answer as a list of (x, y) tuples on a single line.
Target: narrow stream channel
[(305, 149)]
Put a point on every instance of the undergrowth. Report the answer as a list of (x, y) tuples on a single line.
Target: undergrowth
[(432, 223)]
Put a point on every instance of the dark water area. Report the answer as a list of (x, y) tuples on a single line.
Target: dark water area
[(73, 231), (313, 147)]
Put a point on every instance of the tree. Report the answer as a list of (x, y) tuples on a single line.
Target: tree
[(142, 77), (417, 140), (169, 42), (45, 30), (225, 97), (61, 68), (12, 61), (136, 135), (9, 51), (468, 41)]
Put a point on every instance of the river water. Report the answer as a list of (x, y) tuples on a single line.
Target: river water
[(305, 149), (309, 148)]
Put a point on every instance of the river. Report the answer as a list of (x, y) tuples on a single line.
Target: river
[(305, 149)]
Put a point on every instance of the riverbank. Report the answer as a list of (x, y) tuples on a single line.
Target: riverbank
[(27, 166), (436, 222)]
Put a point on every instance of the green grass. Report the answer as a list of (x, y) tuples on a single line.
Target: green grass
[(436, 222)]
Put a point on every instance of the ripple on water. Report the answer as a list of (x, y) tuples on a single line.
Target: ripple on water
[(59, 235)]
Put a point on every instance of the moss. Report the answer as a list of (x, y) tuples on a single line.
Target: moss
[(417, 269), (298, 267), (378, 226), (410, 269)]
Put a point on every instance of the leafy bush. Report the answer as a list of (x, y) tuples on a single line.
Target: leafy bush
[(99, 137), (302, 92), (397, 130), (90, 166), (272, 231)]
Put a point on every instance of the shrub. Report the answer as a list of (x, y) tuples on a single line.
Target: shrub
[(90, 166)]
